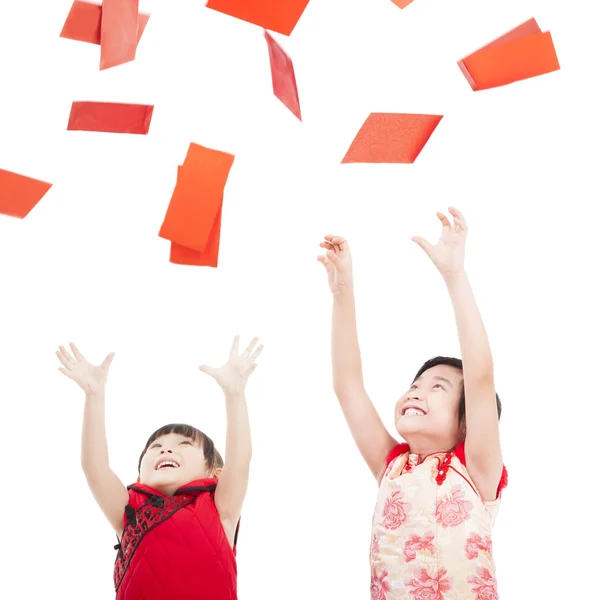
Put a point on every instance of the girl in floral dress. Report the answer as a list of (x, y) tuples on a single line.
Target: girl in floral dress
[(439, 492)]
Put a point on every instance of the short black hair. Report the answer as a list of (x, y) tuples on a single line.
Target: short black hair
[(212, 456)]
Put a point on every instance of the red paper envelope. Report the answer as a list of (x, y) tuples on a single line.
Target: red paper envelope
[(283, 79), (391, 138), (119, 32), (193, 219), (402, 3), (110, 117), (522, 53), (83, 23), (280, 16), (20, 194)]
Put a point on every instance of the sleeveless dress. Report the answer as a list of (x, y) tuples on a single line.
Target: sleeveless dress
[(174, 547), (431, 537)]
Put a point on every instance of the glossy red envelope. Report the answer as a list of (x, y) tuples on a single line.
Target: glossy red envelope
[(20, 194), (280, 16), (110, 117), (522, 53), (193, 219), (283, 79), (83, 23), (119, 32), (391, 138)]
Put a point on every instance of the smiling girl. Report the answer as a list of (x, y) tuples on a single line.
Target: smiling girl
[(439, 492)]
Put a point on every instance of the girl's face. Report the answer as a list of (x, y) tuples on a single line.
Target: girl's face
[(172, 461), (429, 409)]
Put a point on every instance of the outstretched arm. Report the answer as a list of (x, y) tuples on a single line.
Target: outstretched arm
[(368, 431), (233, 482), (107, 489), (482, 443)]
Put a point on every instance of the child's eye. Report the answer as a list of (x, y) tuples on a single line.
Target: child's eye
[(186, 442)]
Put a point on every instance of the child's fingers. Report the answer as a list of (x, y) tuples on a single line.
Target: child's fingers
[(64, 353), (67, 373), (256, 354), (250, 347), (108, 361), (444, 220), (234, 347), (458, 217), (76, 352), (208, 370), (327, 245), (422, 243), (64, 361)]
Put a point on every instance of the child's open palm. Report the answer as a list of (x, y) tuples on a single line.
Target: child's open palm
[(448, 253), (232, 377), (90, 378), (337, 262)]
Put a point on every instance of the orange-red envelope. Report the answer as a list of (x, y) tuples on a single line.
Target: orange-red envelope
[(193, 219), (402, 3), (283, 79), (119, 32), (280, 16), (110, 117), (522, 53), (83, 23), (391, 138), (19, 194)]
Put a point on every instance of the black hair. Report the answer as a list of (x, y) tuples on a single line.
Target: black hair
[(213, 458), (457, 363)]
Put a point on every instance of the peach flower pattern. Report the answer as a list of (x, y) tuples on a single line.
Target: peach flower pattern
[(427, 587), (453, 509), (416, 543), (475, 544), (483, 585), (395, 510), (379, 585)]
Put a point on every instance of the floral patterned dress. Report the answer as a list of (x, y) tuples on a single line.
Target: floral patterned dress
[(431, 536)]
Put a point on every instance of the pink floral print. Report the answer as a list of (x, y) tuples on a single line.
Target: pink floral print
[(375, 544), (475, 544), (379, 585), (453, 509), (395, 510), (416, 543), (483, 585), (427, 587)]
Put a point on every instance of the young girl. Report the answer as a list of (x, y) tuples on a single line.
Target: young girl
[(440, 491), (177, 526)]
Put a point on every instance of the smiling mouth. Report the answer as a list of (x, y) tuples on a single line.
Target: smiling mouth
[(413, 412), (167, 464)]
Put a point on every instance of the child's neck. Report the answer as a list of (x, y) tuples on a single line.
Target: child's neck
[(424, 448)]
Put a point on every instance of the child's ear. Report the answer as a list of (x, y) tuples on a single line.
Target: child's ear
[(138, 479), (217, 473)]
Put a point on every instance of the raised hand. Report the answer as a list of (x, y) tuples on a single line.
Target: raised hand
[(232, 377), (448, 253), (90, 378), (337, 262)]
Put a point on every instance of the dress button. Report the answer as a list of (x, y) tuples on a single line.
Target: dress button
[(441, 472)]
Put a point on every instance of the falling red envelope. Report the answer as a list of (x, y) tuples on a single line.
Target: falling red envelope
[(83, 23), (280, 16), (391, 138), (110, 117), (402, 3), (283, 79), (193, 219), (522, 53), (19, 194), (119, 32)]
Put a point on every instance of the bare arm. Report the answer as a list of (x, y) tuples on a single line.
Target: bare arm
[(234, 480), (109, 492), (482, 444), (368, 431)]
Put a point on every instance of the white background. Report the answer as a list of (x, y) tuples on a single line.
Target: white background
[(88, 266)]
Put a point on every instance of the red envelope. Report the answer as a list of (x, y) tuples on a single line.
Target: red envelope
[(391, 138), (83, 23), (522, 53), (402, 3), (283, 79), (119, 32), (280, 16), (110, 117), (20, 194), (193, 219)]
